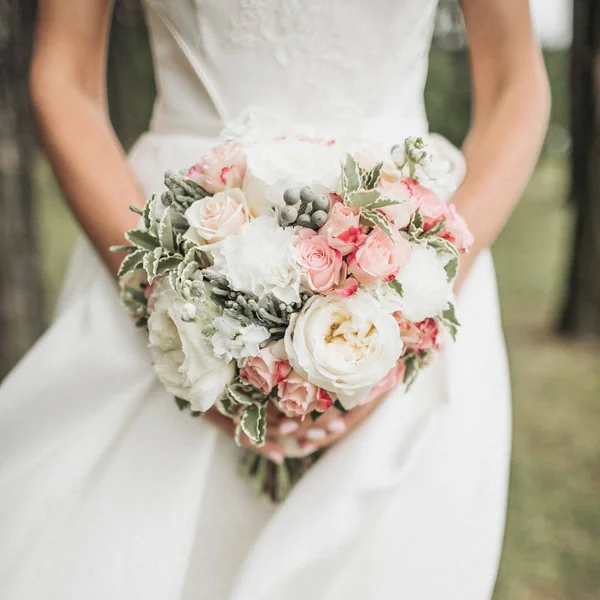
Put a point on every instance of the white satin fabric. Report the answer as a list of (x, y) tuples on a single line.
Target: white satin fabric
[(107, 492)]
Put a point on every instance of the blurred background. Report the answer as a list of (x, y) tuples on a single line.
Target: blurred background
[(547, 258)]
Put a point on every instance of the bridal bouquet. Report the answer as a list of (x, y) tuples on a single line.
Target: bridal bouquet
[(294, 273)]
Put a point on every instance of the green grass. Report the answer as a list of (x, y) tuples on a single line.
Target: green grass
[(552, 549)]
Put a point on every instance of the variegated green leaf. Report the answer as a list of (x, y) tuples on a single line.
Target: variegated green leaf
[(370, 178), (226, 406), (441, 245), (131, 262), (396, 286), (376, 219), (350, 175), (383, 202), (141, 239), (412, 365), (150, 263), (167, 263), (136, 209), (451, 268), (362, 198), (238, 395), (165, 231), (253, 423), (450, 321), (147, 213)]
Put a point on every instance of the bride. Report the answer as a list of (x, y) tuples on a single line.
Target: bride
[(106, 490)]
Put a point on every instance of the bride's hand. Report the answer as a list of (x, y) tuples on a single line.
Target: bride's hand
[(327, 429)]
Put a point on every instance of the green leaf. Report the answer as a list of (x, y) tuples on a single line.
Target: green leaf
[(181, 403), (150, 263), (168, 263), (362, 198), (226, 406), (433, 231), (450, 321), (315, 414), (383, 202), (370, 178), (253, 423), (142, 239), (121, 248), (339, 406), (376, 219), (442, 246), (412, 366), (451, 268), (131, 262), (165, 231), (396, 286), (350, 175), (417, 221), (147, 213), (238, 396), (136, 209)]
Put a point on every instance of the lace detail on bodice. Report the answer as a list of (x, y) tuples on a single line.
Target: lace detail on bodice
[(305, 60)]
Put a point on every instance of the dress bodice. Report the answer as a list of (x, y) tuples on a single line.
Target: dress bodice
[(346, 63)]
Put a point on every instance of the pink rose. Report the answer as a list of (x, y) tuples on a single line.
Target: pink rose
[(265, 371), (419, 337), (398, 214), (431, 207), (379, 258), (457, 231), (321, 264), (214, 218), (296, 395), (223, 167), (387, 384), (323, 402), (342, 230)]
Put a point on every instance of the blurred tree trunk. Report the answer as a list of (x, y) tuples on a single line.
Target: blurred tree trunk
[(581, 313), (21, 314)]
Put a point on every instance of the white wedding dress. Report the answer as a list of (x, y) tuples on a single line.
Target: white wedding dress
[(108, 492)]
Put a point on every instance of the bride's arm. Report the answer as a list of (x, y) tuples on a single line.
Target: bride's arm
[(511, 103), (68, 93), (69, 98)]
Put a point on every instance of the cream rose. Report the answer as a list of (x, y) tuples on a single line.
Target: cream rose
[(183, 356), (213, 218), (343, 345), (273, 167)]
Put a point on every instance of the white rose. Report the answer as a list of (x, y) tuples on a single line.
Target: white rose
[(213, 218), (261, 259), (426, 290), (274, 166), (343, 345), (183, 356)]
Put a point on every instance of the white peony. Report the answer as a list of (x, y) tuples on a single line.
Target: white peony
[(274, 166), (234, 340), (183, 356), (426, 290), (343, 345), (261, 259)]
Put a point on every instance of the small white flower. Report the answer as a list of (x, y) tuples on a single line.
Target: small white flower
[(426, 290), (188, 312), (261, 259), (234, 340)]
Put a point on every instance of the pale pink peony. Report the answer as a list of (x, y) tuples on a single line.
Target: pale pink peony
[(457, 231), (265, 371), (296, 395), (321, 264), (342, 230), (432, 208), (379, 258), (387, 384), (214, 218), (419, 337), (223, 167)]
